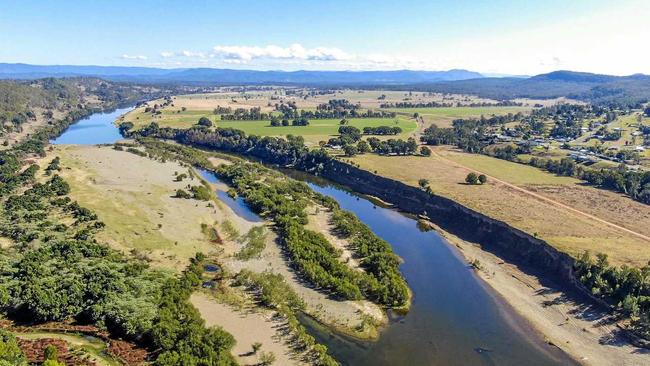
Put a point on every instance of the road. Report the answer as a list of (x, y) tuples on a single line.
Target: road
[(546, 199)]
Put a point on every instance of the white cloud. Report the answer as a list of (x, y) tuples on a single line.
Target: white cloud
[(133, 57), (166, 54), (295, 51), (186, 53)]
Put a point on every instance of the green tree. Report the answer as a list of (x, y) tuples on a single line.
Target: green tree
[(425, 151), (350, 150), (423, 183), (205, 121), (363, 147), (471, 178), (10, 353), (482, 178)]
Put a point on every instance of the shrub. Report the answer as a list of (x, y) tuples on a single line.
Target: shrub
[(471, 178)]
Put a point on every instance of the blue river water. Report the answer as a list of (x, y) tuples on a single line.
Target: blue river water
[(98, 128), (454, 318)]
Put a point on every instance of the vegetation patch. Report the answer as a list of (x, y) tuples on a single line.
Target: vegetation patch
[(254, 242)]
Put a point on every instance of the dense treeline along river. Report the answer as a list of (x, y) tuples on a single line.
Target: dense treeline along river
[(454, 319)]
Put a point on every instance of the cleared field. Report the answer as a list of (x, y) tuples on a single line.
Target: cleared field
[(513, 173), (443, 117), (132, 195), (319, 129), (539, 207)]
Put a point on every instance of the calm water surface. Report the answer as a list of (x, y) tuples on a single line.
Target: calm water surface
[(454, 318), (98, 128)]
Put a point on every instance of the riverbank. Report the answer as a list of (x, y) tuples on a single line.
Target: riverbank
[(584, 332)]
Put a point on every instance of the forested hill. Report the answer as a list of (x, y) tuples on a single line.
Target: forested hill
[(44, 100), (229, 76), (595, 88)]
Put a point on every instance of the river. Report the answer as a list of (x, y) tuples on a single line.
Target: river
[(455, 319)]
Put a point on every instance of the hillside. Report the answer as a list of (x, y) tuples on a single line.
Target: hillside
[(596, 88)]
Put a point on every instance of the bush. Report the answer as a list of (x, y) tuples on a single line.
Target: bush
[(205, 121), (471, 178), (482, 178), (10, 353)]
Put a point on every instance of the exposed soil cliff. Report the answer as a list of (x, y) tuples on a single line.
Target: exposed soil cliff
[(495, 236)]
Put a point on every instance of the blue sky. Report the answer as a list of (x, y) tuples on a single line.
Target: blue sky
[(499, 36)]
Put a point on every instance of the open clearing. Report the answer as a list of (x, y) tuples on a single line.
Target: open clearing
[(132, 195), (530, 202), (318, 129), (248, 326), (443, 117)]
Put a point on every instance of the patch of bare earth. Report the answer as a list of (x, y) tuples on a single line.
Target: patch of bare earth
[(249, 325), (346, 316)]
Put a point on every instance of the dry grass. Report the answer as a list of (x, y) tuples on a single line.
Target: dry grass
[(132, 196), (567, 230)]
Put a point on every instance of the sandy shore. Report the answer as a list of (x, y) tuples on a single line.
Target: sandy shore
[(247, 326), (584, 332)]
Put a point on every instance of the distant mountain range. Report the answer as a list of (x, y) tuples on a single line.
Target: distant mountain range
[(577, 85), (230, 76)]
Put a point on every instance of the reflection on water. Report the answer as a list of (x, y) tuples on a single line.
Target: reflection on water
[(454, 318), (236, 204), (96, 129)]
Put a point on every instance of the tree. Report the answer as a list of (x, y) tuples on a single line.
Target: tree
[(343, 122), (363, 147), (425, 151), (471, 178), (275, 121), (423, 183), (482, 178), (205, 121), (350, 150), (10, 353)]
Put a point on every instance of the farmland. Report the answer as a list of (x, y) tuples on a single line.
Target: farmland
[(187, 110), (443, 117), (530, 200)]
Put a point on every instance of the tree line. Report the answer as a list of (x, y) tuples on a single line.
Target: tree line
[(284, 201), (433, 104), (333, 109), (626, 288)]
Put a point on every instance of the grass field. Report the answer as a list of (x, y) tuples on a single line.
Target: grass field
[(132, 195), (443, 117), (318, 129), (517, 204)]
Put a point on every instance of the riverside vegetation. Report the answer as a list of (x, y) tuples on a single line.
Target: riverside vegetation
[(55, 269), (291, 152)]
